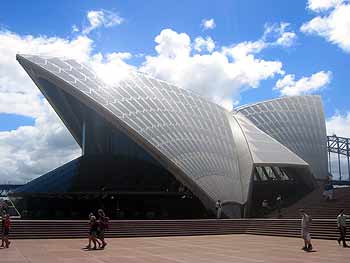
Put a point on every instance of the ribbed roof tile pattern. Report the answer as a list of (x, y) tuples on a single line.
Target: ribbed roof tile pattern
[(212, 150), (264, 149), (298, 123), (191, 132)]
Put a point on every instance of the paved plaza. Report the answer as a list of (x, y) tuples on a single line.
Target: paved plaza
[(227, 248)]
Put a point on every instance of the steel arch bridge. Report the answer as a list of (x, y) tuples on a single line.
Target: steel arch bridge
[(341, 147), (5, 188)]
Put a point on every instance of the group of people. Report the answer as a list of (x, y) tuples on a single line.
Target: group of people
[(97, 228), (306, 223), (266, 208), (5, 229)]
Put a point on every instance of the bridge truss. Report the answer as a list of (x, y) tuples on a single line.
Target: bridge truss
[(5, 188), (341, 147)]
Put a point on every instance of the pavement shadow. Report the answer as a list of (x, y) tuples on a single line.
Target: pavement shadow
[(310, 251), (91, 249)]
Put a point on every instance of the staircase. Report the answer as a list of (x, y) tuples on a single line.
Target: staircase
[(323, 226), (320, 228), (317, 207), (47, 229)]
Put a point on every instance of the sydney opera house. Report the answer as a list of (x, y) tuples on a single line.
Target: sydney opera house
[(152, 149)]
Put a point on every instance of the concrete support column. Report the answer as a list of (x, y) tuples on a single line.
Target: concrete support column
[(83, 138)]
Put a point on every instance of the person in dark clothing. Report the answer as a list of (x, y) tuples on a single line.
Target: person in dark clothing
[(90, 232), (7, 226), (93, 231), (103, 226)]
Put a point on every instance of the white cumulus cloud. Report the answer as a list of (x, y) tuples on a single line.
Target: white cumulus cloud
[(18, 94), (75, 29), (287, 39), (111, 67), (201, 44), (243, 49), (334, 25), (220, 76), (99, 18), (30, 151), (290, 87), (323, 5), (279, 35), (171, 45), (339, 124), (208, 24)]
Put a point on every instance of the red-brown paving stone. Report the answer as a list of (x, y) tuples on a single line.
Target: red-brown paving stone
[(203, 249)]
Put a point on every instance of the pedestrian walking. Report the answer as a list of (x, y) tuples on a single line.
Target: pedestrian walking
[(7, 226), (103, 226), (341, 222), (305, 229), (3, 215), (218, 209), (93, 232)]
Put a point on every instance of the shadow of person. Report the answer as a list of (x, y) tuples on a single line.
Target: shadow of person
[(311, 251)]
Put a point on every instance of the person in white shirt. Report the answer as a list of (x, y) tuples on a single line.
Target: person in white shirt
[(341, 222), (305, 229), (218, 209), (279, 204)]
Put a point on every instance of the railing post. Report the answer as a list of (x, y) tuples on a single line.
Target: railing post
[(330, 162), (338, 150), (83, 137)]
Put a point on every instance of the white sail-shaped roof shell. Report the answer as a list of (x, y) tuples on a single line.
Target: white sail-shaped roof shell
[(210, 150), (297, 122)]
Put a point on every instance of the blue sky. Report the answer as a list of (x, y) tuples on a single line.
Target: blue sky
[(302, 45), (236, 21)]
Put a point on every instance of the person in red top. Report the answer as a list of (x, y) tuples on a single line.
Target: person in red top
[(7, 226)]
